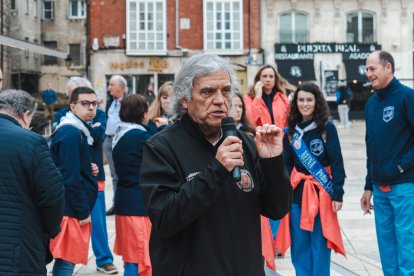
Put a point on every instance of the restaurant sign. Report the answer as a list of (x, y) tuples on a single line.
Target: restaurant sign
[(305, 51)]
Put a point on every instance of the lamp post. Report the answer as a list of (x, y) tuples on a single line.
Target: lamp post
[(68, 61)]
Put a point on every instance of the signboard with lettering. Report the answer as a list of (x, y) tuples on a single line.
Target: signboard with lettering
[(293, 51)]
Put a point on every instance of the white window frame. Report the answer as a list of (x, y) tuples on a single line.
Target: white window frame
[(293, 23), (81, 8), (133, 36), (206, 32), (360, 36), (52, 10)]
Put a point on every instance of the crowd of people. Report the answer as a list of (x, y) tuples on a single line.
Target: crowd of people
[(191, 195)]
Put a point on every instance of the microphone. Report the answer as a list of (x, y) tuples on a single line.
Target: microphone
[(229, 129)]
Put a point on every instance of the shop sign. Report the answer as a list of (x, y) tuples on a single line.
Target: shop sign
[(158, 64), (127, 65), (305, 51)]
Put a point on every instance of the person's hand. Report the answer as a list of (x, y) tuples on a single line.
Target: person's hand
[(230, 153), (290, 97), (366, 205), (160, 121), (85, 221), (268, 141), (336, 206), (258, 89), (95, 169)]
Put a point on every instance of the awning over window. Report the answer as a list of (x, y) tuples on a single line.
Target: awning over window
[(296, 70), (355, 69)]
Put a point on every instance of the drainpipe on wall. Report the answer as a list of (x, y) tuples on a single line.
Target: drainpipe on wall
[(177, 24)]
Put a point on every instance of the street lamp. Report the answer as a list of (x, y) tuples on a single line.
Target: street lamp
[(68, 61)]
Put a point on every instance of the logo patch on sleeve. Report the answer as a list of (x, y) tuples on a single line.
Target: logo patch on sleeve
[(246, 183)]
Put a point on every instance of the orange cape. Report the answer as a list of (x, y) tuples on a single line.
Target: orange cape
[(311, 205), (72, 243)]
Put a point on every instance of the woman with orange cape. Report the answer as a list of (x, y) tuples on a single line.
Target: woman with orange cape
[(314, 160)]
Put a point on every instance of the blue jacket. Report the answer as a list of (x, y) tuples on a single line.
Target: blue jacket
[(127, 156), (389, 115), (328, 155), (72, 155), (49, 96), (97, 133), (31, 200)]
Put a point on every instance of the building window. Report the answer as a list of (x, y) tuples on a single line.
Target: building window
[(223, 26), (50, 60), (13, 4), (48, 10), (77, 9), (293, 28), (146, 27), (75, 53), (360, 27)]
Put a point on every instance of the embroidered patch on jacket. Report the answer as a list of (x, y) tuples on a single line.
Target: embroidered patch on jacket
[(388, 114), (296, 144), (316, 147), (246, 182), (191, 176)]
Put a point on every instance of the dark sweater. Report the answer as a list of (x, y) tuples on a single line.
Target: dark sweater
[(389, 136), (329, 156), (127, 156), (72, 155), (97, 133)]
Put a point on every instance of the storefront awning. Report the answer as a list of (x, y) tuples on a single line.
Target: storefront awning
[(296, 70), (355, 69)]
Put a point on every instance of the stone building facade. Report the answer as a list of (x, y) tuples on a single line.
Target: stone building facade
[(328, 40)]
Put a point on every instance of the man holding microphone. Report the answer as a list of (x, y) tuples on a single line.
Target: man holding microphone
[(204, 222)]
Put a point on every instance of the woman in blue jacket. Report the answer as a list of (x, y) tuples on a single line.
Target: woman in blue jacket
[(314, 162), (133, 226)]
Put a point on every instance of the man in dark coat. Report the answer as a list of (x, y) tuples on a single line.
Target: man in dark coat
[(31, 189)]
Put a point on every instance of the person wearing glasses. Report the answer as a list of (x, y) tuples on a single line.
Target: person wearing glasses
[(104, 258), (71, 151)]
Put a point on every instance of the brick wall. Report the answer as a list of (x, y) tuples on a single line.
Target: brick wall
[(107, 18)]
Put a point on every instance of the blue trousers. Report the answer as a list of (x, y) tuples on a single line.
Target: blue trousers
[(394, 223), (274, 225), (99, 234), (310, 256), (63, 268), (131, 269)]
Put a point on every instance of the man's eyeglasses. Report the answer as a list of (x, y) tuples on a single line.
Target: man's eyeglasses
[(87, 104)]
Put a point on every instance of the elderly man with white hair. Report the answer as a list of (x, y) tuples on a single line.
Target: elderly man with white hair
[(204, 222), (31, 189)]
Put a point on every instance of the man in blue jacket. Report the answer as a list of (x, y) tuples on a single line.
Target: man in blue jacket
[(49, 98), (31, 190), (390, 164), (99, 236)]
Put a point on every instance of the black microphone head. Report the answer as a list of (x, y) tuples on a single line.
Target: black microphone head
[(227, 124)]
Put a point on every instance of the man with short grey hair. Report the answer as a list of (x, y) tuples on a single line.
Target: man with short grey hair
[(117, 88), (31, 188)]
